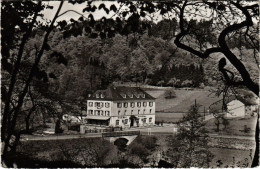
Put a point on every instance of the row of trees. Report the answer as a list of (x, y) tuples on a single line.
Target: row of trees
[(179, 76)]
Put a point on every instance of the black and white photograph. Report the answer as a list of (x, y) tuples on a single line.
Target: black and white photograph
[(130, 84)]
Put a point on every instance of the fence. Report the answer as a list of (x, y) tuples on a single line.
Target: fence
[(119, 134), (112, 129)]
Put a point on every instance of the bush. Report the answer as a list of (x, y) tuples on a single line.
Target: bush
[(169, 94), (142, 147), (148, 141), (139, 150)]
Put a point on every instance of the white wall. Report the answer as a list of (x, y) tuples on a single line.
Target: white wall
[(133, 110), (103, 108), (125, 112), (236, 109)]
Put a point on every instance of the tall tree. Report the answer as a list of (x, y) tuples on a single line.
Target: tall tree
[(20, 13), (190, 147)]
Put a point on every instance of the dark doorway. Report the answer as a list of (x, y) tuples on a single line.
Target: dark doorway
[(132, 123), (132, 119)]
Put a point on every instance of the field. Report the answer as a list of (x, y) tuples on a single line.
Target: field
[(183, 101), (172, 110), (168, 117), (230, 158), (235, 127)]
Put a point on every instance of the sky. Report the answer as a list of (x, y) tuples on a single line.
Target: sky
[(49, 13), (98, 14)]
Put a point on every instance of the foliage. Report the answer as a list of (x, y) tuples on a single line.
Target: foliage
[(142, 147), (190, 147), (169, 94), (220, 119), (138, 150), (87, 152)]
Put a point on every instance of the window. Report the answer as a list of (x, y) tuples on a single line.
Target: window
[(97, 95), (150, 119), (101, 104), (90, 104), (144, 120), (119, 105), (132, 111), (138, 111), (125, 105), (107, 105), (95, 113), (132, 104), (90, 112), (98, 113), (144, 111), (102, 113), (150, 104), (144, 104), (126, 121), (118, 112), (138, 104), (107, 113), (97, 104), (150, 110), (117, 122), (102, 96), (137, 121), (125, 112)]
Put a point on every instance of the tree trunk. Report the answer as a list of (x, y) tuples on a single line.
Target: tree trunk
[(7, 113), (217, 124), (11, 126), (27, 120)]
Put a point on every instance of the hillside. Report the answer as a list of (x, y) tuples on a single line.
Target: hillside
[(183, 101)]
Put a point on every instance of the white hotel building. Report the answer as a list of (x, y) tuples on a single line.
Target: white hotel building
[(120, 106)]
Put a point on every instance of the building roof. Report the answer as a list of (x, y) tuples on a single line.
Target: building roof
[(120, 93)]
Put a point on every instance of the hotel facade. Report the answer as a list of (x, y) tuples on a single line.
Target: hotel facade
[(120, 106)]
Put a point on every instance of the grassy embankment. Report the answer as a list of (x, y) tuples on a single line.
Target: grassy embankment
[(172, 110)]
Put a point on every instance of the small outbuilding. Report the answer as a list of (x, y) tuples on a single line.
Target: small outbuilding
[(241, 107)]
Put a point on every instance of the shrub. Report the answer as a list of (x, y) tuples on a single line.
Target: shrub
[(139, 150), (148, 141), (169, 94)]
